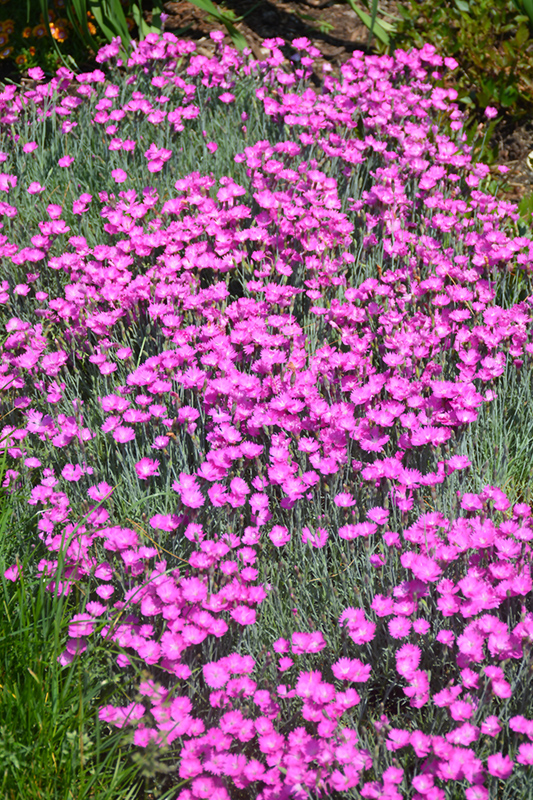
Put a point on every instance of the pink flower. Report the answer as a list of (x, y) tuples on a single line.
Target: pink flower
[(100, 491), (119, 175), (424, 568), (81, 625), (307, 684), (378, 514), (164, 522), (491, 726), (279, 535), (147, 467), (491, 112), (317, 539), (29, 147), (525, 754), (461, 710), (285, 663), (212, 147), (347, 669), (421, 626), (72, 472), (500, 766), (226, 97), (12, 573), (35, 188), (399, 627), (36, 73), (408, 659), (123, 434), (65, 161), (193, 590), (344, 500), (215, 675), (243, 615)]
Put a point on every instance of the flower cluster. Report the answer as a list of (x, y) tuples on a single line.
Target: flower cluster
[(269, 372)]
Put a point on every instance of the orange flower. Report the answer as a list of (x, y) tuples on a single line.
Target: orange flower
[(130, 23), (9, 26), (6, 52), (3, 40), (40, 31), (32, 51), (20, 60), (26, 33), (59, 34), (92, 29)]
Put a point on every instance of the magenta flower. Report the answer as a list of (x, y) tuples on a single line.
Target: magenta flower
[(399, 627), (215, 675), (12, 573), (317, 539), (279, 535), (408, 659), (525, 754), (146, 468), (461, 710), (65, 161), (81, 625), (72, 472), (193, 590), (500, 766), (243, 615), (119, 175), (36, 73), (164, 522), (100, 491), (123, 434), (35, 188), (491, 726)]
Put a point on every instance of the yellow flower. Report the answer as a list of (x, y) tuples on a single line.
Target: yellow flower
[(3, 40), (26, 33), (20, 60), (6, 52), (40, 31), (9, 26)]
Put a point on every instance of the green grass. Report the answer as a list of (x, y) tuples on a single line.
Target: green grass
[(52, 745)]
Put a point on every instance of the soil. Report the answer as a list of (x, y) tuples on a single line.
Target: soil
[(336, 31)]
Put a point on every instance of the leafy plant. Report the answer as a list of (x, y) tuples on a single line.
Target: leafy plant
[(492, 41), (376, 27)]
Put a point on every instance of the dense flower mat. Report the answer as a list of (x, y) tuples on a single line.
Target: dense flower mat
[(249, 325)]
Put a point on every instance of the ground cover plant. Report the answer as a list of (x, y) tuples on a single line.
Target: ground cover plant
[(265, 371)]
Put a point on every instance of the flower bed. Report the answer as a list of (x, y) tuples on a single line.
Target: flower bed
[(253, 336)]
